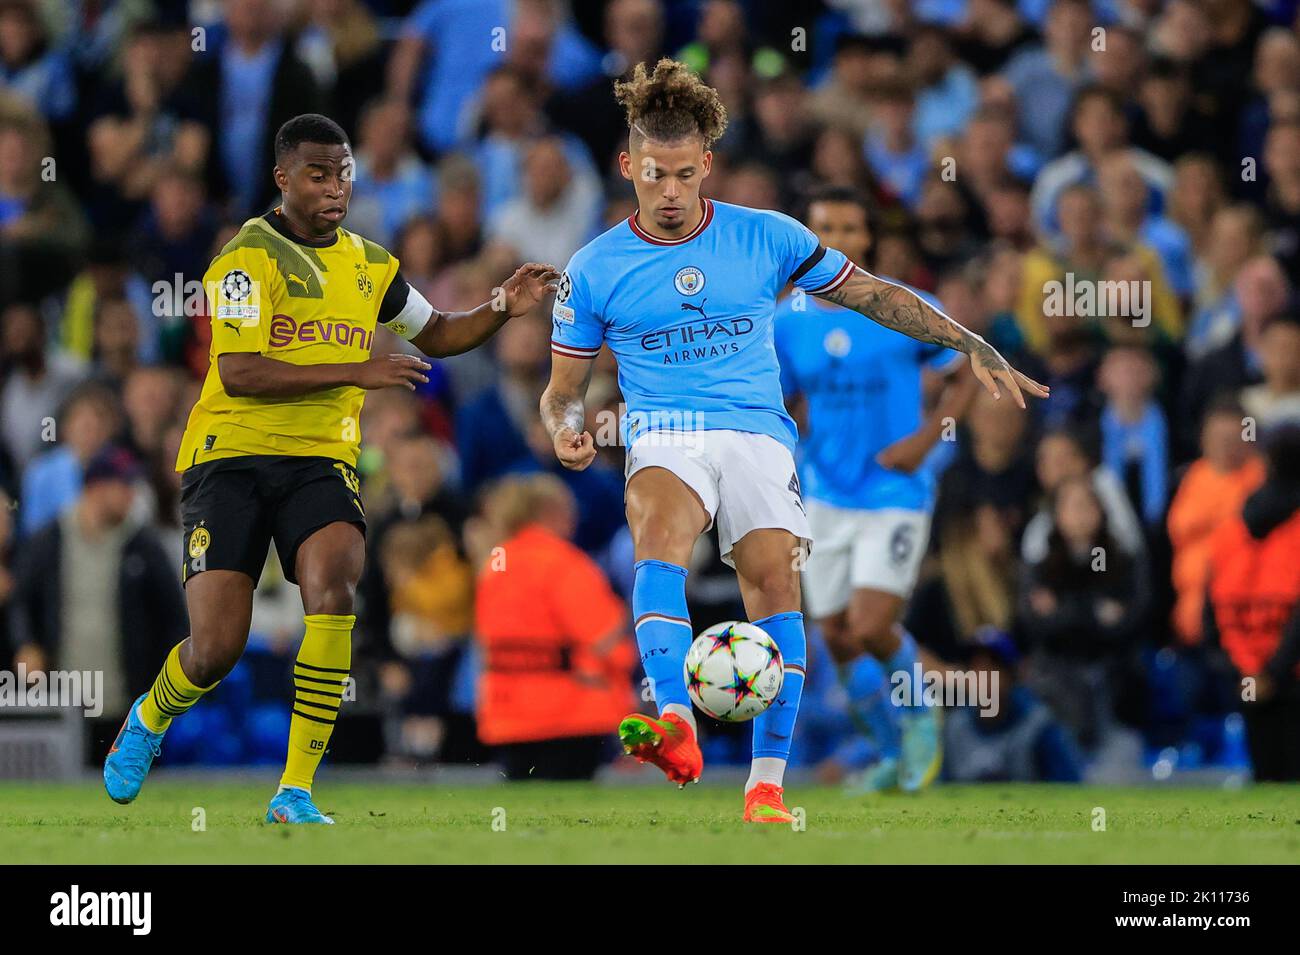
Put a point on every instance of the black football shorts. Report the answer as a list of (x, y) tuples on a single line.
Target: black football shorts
[(232, 508)]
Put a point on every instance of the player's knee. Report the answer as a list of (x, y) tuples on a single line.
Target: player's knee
[(333, 595), (873, 633), (839, 642), (779, 588), (662, 541), (211, 660)]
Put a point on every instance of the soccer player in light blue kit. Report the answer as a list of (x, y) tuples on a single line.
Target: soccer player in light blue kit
[(684, 294), (858, 387)]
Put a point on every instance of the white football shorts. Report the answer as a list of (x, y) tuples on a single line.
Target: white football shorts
[(868, 549), (745, 481)]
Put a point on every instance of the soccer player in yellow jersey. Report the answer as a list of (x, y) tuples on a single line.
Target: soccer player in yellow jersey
[(271, 445)]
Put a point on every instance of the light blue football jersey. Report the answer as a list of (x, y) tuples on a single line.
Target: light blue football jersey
[(691, 320), (862, 383)]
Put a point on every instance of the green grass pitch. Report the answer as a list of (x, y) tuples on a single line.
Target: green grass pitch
[(538, 822)]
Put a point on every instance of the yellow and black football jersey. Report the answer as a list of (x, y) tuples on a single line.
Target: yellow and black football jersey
[(306, 304)]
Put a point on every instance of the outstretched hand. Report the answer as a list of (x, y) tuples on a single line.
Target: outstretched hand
[(528, 286), (990, 368)]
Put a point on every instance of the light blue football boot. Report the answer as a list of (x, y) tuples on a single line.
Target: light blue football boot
[(294, 806), (129, 759), (922, 747), (881, 776)]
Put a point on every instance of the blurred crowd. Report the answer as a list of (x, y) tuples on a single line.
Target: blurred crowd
[(1003, 144)]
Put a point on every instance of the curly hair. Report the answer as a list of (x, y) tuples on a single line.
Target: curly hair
[(671, 104)]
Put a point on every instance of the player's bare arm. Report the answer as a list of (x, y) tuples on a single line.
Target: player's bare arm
[(564, 413), (907, 453), (895, 307), (451, 333), (249, 375)]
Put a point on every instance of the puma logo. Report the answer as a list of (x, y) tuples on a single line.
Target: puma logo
[(688, 307), (303, 282), (232, 325)]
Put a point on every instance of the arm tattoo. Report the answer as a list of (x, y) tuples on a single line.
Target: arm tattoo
[(895, 307), (560, 410)]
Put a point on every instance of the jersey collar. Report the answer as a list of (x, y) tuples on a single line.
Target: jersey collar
[(276, 222), (654, 240)]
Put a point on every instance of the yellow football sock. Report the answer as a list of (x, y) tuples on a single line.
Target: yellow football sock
[(320, 676), (173, 693)]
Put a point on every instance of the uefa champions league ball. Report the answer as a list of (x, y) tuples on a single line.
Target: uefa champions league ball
[(734, 671)]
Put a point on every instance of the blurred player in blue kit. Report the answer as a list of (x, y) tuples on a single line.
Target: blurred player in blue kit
[(858, 389)]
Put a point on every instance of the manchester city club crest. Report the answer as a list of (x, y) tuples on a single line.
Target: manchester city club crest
[(689, 280), (837, 343)]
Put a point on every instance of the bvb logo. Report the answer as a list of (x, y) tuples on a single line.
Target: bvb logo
[(365, 286), (200, 539)]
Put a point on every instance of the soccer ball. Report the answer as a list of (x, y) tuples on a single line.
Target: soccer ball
[(734, 671)]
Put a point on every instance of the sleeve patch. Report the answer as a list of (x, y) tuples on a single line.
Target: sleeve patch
[(237, 299)]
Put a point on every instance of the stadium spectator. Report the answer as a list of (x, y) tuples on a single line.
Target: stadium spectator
[(53, 480), (1231, 238), (1100, 129), (987, 155), (36, 382), (1262, 292), (42, 228), (1276, 399), (633, 33), (1168, 124), (418, 486), (150, 122), (557, 658), (491, 427), (1118, 59), (1126, 210), (1082, 607), (1021, 741), (430, 613), (947, 91), (1134, 433), (994, 464), (1195, 199), (1282, 203), (31, 66), (117, 341), (344, 44), (1044, 76), (782, 134), (557, 211), (843, 100), (992, 33), (972, 582), (898, 160), (1211, 492), (259, 83), (95, 590), (6, 579), (1062, 456), (1253, 608), (459, 210), (398, 184), (442, 58)]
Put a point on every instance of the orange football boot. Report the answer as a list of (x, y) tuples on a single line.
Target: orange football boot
[(763, 803), (667, 742)]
